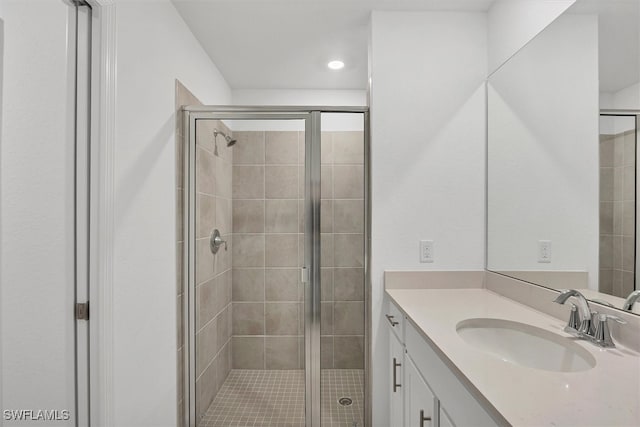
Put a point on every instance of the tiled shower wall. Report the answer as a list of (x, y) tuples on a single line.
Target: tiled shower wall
[(213, 273), (268, 193), (617, 213)]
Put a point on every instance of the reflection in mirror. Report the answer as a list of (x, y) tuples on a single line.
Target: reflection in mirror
[(561, 178)]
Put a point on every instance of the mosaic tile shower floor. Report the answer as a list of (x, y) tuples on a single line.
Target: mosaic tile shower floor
[(276, 398)]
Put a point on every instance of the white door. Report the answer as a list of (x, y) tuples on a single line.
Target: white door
[(38, 272)]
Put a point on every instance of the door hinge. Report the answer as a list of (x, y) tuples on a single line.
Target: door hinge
[(82, 311)]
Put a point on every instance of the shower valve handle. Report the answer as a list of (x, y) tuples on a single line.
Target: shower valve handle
[(216, 241)]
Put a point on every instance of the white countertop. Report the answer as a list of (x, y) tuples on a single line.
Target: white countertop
[(607, 395)]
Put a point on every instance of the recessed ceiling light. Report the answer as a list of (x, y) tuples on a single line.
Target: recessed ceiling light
[(336, 65)]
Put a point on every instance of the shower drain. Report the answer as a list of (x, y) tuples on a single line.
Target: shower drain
[(345, 401)]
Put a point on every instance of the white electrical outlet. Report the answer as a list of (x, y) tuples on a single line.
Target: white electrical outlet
[(426, 250), (544, 251)]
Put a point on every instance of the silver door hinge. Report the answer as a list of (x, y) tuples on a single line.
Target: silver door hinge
[(82, 311), (304, 275)]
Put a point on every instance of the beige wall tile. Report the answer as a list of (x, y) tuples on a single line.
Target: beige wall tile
[(248, 352), (223, 215), (326, 147), (628, 218), (350, 354), (248, 318), (348, 216), (606, 252), (281, 250), (627, 283), (348, 318), (206, 388), (205, 215), (349, 250), (349, 284), (281, 318), (206, 305), (606, 217), (326, 352), (605, 281), (281, 148), (606, 184), (248, 182), (628, 253), (281, 353), (618, 183), (618, 217), (206, 345), (205, 172), (281, 284), (249, 148), (204, 134), (223, 365), (327, 249), (326, 216), (629, 180), (224, 328), (204, 261), (630, 148), (348, 147), (281, 216), (248, 284), (281, 182), (348, 182), (248, 250), (248, 216), (617, 252), (326, 182), (326, 284), (606, 153), (326, 318), (224, 176)]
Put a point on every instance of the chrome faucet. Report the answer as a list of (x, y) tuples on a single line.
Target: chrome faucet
[(585, 323), (583, 320), (631, 299)]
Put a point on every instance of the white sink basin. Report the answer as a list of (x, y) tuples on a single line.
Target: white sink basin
[(525, 345)]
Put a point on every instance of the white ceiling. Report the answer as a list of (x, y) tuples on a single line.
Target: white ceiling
[(286, 44)]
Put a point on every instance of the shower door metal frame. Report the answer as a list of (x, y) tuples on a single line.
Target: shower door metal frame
[(310, 272)]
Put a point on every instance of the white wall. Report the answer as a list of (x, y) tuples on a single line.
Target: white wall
[(36, 209), (154, 47), (543, 162), (428, 148), (294, 97), (512, 24)]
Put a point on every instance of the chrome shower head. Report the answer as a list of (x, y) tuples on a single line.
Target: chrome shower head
[(230, 141)]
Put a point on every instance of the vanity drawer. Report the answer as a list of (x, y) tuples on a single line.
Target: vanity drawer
[(462, 407), (395, 320)]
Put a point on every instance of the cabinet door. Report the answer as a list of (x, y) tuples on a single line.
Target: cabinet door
[(420, 403), (396, 394)]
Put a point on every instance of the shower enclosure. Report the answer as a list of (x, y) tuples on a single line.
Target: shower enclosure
[(275, 285)]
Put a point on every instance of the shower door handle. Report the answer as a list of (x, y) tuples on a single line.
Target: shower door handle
[(304, 275)]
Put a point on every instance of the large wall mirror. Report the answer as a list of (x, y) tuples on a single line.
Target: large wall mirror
[(563, 119)]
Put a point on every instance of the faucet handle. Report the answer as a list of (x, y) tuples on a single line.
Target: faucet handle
[(602, 334), (574, 321)]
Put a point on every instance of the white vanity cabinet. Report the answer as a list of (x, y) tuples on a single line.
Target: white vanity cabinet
[(421, 406), (396, 360), (424, 392)]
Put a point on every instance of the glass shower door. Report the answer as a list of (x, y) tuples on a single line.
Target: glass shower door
[(247, 313)]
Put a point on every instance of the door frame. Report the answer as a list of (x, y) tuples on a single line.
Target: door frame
[(310, 272)]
